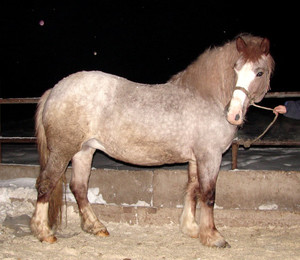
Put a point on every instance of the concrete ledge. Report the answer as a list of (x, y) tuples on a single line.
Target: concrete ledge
[(223, 217), (157, 189)]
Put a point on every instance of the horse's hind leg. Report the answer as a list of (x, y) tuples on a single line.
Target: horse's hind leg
[(187, 220), (81, 169), (47, 187)]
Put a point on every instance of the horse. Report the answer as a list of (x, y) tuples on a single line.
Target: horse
[(191, 118)]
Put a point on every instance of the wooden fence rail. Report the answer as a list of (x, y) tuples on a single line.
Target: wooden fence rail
[(235, 144)]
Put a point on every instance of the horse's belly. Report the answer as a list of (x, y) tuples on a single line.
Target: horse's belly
[(142, 154), (148, 159)]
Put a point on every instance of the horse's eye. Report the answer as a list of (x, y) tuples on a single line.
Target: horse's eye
[(259, 74)]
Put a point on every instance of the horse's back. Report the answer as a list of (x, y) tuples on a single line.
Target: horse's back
[(73, 108), (80, 95), (85, 84)]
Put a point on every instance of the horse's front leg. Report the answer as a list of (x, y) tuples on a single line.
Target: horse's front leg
[(187, 220), (208, 169), (81, 167)]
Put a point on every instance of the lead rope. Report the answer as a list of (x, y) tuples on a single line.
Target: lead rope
[(248, 143)]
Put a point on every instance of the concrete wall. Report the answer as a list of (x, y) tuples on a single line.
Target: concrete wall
[(159, 188)]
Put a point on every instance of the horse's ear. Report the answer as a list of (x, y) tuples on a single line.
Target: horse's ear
[(240, 44), (265, 46)]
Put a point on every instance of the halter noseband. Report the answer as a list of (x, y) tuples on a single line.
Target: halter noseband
[(246, 92)]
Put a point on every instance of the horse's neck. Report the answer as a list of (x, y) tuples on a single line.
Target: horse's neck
[(212, 74)]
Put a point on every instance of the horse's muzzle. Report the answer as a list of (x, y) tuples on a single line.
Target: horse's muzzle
[(235, 116), (235, 119), (234, 113)]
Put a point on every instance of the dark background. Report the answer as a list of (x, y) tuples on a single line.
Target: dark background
[(144, 41)]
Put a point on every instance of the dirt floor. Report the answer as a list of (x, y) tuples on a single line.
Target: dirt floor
[(262, 241)]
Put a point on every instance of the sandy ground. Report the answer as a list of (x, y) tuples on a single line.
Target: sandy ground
[(268, 234), (144, 242)]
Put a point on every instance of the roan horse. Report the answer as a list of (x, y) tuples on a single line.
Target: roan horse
[(191, 118)]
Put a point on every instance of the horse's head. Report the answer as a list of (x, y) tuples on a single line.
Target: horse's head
[(253, 70)]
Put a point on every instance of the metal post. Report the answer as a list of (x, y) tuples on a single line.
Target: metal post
[(234, 153)]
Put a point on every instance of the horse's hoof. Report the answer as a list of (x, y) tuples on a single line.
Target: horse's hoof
[(221, 244), (102, 233), (50, 239), (213, 239)]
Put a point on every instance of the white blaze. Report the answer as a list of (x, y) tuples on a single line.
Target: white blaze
[(245, 76)]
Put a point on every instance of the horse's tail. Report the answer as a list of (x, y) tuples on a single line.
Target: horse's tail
[(55, 202), (40, 131)]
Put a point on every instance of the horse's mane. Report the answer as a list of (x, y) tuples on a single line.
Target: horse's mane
[(212, 73)]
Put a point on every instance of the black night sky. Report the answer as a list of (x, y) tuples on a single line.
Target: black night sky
[(144, 41)]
